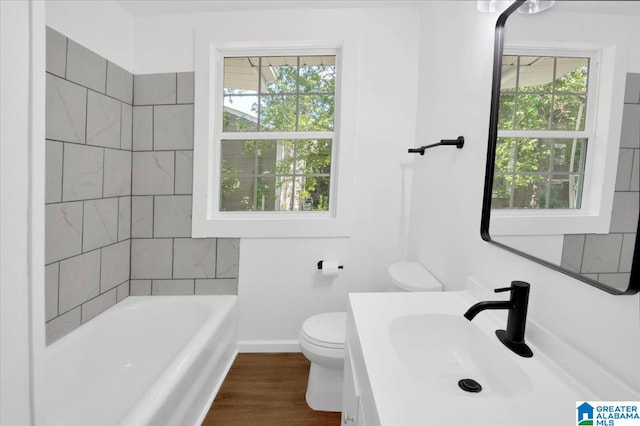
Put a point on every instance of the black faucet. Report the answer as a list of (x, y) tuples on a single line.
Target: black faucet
[(513, 336)]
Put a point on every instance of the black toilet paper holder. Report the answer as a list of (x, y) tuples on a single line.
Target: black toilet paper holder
[(321, 262)]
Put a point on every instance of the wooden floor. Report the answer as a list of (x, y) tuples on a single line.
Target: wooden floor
[(266, 389)]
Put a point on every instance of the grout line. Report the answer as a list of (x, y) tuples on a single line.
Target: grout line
[(108, 290), (86, 144), (106, 74), (173, 260), (86, 114), (65, 312), (71, 309), (66, 57), (104, 154), (82, 232), (86, 87), (81, 305), (620, 254), (131, 195), (100, 274), (163, 103), (130, 258), (58, 304), (215, 263), (120, 133), (131, 131), (85, 199), (62, 177), (118, 222), (624, 192), (82, 253), (156, 104), (153, 127), (147, 150), (174, 279), (584, 243), (153, 216)]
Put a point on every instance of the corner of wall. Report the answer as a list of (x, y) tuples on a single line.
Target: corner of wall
[(102, 26)]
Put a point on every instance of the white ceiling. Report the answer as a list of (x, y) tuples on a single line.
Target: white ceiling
[(146, 8)]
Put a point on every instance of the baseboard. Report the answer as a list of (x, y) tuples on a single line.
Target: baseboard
[(268, 346)]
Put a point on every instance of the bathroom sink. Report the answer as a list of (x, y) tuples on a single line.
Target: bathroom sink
[(412, 349), (439, 350)]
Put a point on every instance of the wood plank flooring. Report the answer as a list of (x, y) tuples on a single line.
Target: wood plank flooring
[(266, 389)]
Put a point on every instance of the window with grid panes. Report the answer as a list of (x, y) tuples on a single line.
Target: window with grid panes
[(277, 136), (543, 131)]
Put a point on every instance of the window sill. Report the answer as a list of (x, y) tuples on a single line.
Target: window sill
[(555, 222), (252, 227)]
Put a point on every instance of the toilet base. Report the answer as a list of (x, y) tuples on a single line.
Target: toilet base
[(324, 389)]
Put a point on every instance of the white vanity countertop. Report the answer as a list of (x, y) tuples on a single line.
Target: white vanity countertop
[(402, 398)]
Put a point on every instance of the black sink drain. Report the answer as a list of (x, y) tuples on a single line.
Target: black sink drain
[(469, 385)]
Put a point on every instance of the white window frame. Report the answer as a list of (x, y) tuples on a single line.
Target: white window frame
[(604, 118), (221, 135), (207, 220)]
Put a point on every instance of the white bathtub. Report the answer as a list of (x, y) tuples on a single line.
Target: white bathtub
[(150, 360)]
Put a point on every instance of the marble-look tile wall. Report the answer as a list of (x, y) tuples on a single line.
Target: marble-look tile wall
[(607, 258), (88, 184), (164, 257), (119, 155)]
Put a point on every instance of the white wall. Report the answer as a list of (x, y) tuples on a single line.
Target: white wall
[(454, 99), (99, 25), (545, 247), (21, 212), (279, 285)]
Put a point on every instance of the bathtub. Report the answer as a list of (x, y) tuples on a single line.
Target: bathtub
[(149, 360)]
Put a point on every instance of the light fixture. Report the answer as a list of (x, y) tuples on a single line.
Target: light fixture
[(529, 7), (491, 6), (535, 6)]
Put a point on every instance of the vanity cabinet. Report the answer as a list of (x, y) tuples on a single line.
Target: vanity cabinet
[(358, 407), (350, 393)]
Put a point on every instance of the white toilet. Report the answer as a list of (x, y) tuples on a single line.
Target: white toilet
[(322, 338)]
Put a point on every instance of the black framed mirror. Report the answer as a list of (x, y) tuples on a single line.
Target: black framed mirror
[(561, 180)]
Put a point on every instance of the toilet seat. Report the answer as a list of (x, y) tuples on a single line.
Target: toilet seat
[(325, 330)]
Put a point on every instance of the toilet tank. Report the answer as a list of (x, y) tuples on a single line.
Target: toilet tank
[(411, 276)]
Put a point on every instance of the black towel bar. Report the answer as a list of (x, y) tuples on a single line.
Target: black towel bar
[(459, 143)]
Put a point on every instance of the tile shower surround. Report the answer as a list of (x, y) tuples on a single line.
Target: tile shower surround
[(608, 258), (164, 259), (119, 154)]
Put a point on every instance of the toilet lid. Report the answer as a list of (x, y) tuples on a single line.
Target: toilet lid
[(326, 330), (412, 276)]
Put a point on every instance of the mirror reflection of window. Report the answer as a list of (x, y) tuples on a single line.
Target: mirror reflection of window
[(542, 132)]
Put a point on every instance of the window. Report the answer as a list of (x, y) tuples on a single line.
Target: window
[(544, 128), (274, 152), (276, 140)]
